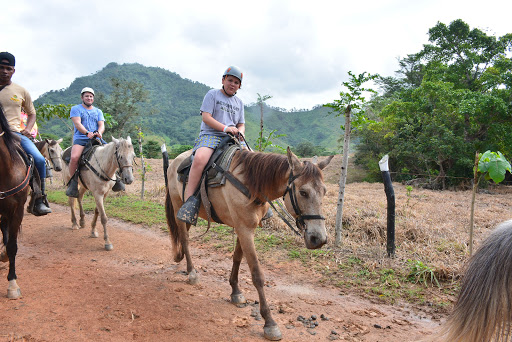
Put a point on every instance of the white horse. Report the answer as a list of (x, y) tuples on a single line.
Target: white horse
[(98, 177), (51, 151)]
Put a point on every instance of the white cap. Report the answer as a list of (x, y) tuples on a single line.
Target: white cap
[(87, 90)]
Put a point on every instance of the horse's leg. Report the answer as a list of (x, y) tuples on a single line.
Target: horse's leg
[(236, 295), (5, 237), (14, 224), (193, 276), (71, 203), (104, 219), (94, 232), (81, 194), (270, 329)]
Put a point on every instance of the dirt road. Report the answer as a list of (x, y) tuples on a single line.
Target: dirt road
[(74, 290)]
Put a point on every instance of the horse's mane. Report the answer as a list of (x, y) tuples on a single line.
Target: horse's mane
[(264, 172), (11, 140)]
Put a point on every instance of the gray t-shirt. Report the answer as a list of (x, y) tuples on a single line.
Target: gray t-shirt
[(228, 110)]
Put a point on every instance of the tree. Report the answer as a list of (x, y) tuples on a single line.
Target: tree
[(450, 99), (351, 100), (261, 102), (123, 105), (152, 149)]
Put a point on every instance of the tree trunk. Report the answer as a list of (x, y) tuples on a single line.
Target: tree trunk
[(143, 167), (261, 127), (343, 178), (473, 196)]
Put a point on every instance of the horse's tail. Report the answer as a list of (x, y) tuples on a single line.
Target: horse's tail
[(174, 231), (165, 158), (483, 311)]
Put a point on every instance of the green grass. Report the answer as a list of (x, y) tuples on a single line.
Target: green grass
[(128, 208)]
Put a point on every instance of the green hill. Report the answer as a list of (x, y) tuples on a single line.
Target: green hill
[(176, 102)]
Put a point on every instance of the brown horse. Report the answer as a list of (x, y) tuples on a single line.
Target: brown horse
[(98, 178), (14, 178), (483, 312), (267, 177)]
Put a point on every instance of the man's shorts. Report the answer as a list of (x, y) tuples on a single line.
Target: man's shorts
[(211, 141), (85, 141)]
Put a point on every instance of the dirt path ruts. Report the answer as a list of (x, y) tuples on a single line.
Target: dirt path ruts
[(74, 290)]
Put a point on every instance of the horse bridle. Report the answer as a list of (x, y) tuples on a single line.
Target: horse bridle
[(117, 159), (102, 177), (299, 221), (50, 155)]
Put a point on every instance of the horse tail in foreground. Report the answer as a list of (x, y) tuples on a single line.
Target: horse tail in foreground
[(169, 214), (483, 311)]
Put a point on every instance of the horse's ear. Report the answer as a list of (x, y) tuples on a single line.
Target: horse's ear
[(325, 162), (115, 140), (129, 139), (47, 141), (295, 163), (59, 141)]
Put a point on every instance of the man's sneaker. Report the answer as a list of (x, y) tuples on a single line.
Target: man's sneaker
[(72, 190), (40, 208), (189, 210), (119, 186)]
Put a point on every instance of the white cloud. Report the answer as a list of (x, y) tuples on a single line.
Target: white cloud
[(298, 52)]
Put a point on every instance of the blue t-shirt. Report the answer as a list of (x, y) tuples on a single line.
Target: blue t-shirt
[(89, 117), (228, 110)]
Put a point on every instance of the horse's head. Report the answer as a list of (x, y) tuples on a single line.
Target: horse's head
[(303, 199), (125, 156), (55, 153)]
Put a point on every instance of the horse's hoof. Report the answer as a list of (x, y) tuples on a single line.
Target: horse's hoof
[(193, 278), (13, 291), (82, 223), (75, 227), (238, 299), (109, 246), (94, 234), (272, 333)]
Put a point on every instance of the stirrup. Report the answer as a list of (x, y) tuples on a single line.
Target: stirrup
[(189, 210), (119, 186), (268, 215)]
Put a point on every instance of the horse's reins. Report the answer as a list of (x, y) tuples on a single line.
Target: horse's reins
[(290, 188), (299, 221), (21, 186), (104, 175)]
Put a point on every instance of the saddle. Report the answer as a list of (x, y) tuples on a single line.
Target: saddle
[(222, 157), (86, 153), (83, 161), (214, 174)]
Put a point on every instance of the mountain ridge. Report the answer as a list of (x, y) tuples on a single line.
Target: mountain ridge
[(177, 100)]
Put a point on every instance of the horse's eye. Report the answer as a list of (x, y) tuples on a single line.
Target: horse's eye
[(303, 193)]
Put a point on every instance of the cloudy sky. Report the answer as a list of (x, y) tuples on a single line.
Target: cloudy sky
[(297, 51)]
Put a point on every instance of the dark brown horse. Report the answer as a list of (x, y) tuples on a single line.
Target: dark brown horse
[(267, 177), (14, 178)]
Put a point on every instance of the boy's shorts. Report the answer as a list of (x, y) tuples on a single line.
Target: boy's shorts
[(85, 141), (211, 141)]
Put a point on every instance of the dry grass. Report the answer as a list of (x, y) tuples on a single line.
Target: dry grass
[(431, 227)]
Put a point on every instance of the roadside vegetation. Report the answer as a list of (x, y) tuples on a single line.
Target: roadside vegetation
[(431, 235)]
